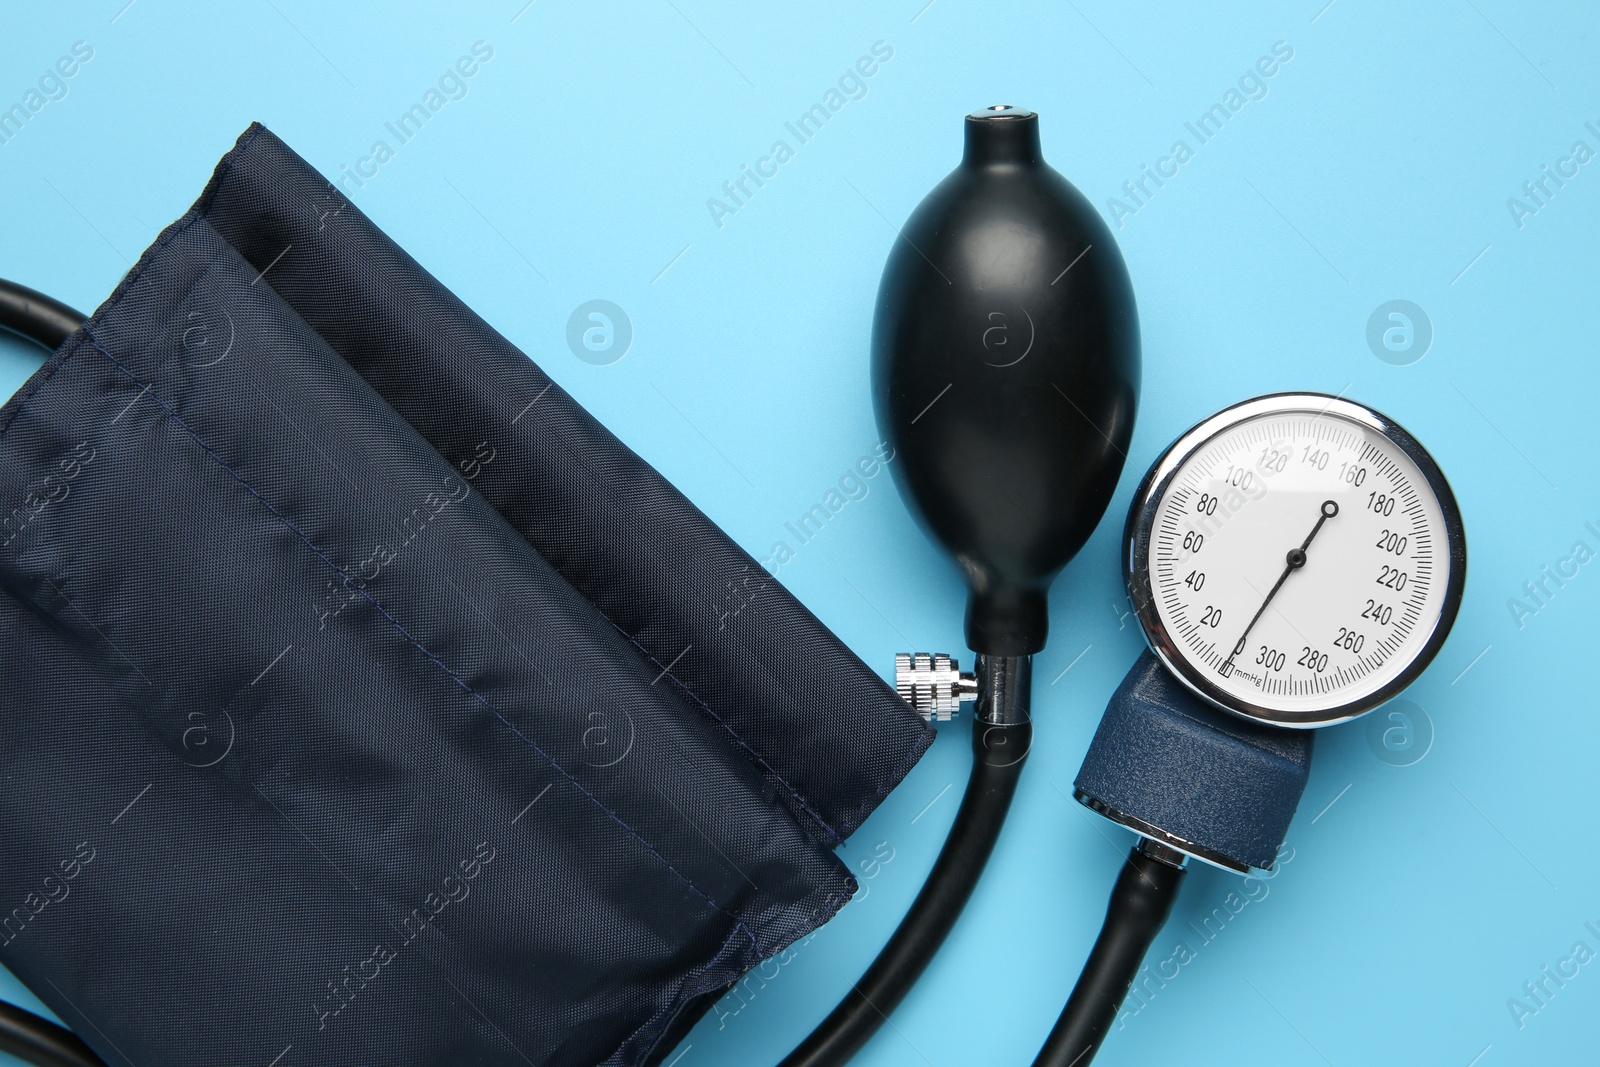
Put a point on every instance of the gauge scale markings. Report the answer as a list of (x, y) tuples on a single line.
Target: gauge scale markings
[(1312, 623)]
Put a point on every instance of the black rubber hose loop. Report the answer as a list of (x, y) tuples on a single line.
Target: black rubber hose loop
[(41, 1042), (998, 755), (1140, 903), (36, 317)]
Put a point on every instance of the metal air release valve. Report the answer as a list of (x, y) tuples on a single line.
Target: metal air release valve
[(933, 684)]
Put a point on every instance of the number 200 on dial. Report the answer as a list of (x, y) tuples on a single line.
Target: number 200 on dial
[(1296, 559)]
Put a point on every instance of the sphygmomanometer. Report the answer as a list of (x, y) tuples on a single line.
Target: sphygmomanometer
[(364, 699)]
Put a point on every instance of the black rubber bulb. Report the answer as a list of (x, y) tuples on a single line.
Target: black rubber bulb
[(1005, 353)]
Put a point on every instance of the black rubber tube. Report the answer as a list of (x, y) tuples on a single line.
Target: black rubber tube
[(36, 317), (41, 1042), (1140, 903), (998, 755)]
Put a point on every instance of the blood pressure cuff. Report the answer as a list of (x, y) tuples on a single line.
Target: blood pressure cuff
[(363, 700)]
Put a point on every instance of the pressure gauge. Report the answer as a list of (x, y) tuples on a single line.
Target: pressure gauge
[(1296, 559)]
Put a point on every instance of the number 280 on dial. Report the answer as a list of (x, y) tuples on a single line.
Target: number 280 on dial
[(1296, 559)]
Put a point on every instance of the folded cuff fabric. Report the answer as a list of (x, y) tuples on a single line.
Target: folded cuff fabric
[(364, 700)]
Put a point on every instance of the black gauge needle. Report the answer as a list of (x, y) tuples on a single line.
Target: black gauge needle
[(1295, 559)]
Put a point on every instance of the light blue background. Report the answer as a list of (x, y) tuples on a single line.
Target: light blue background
[(1378, 166)]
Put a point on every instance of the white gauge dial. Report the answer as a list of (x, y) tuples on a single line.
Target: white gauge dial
[(1297, 560)]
